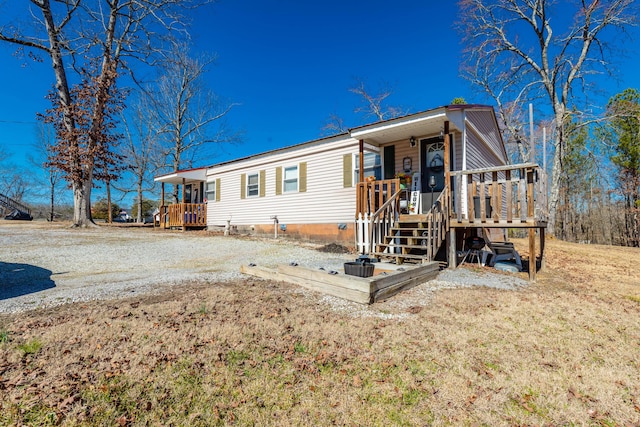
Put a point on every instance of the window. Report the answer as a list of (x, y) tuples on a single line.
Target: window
[(290, 182), (253, 185), (372, 166), (211, 191)]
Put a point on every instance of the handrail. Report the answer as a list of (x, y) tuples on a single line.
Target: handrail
[(390, 208), (439, 225), (393, 198), (8, 202)]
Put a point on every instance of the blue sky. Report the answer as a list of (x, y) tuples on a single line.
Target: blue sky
[(289, 65)]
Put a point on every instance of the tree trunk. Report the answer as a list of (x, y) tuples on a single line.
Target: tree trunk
[(109, 210), (82, 203), (52, 202), (139, 191)]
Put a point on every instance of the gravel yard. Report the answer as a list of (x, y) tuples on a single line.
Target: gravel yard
[(43, 265)]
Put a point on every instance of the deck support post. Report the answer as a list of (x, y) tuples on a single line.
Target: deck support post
[(542, 263), (182, 212), (452, 253), (532, 255), (161, 219)]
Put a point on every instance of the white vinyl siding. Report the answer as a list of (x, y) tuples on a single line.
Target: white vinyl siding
[(320, 183), (483, 142)]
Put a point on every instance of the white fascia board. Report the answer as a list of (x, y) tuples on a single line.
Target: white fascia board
[(178, 177), (385, 126)]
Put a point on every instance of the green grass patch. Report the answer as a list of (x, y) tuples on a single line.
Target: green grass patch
[(30, 347)]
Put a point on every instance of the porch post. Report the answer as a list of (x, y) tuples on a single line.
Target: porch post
[(361, 165), (447, 154), (183, 211), (452, 257), (452, 253), (542, 266), (532, 255), (161, 217)]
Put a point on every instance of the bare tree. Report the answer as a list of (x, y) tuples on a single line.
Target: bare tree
[(516, 54), (42, 151), (334, 125), (373, 103), (141, 151), (189, 118), (71, 32)]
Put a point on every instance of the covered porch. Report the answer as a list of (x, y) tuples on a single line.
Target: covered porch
[(191, 210), (447, 197)]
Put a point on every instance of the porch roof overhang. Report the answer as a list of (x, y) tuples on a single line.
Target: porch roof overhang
[(180, 177), (420, 124)]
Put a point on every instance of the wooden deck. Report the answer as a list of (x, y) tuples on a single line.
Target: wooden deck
[(183, 216), (512, 196), (509, 196), (363, 290)]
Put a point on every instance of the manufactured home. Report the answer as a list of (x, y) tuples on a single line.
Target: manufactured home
[(412, 188)]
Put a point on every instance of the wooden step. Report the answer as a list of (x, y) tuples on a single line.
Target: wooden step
[(402, 256), (388, 239), (418, 229), (395, 245), (413, 218)]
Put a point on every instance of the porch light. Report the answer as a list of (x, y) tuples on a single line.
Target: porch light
[(412, 141), (432, 184)]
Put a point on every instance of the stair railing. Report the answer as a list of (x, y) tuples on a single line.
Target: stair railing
[(438, 223), (382, 220), (9, 203)]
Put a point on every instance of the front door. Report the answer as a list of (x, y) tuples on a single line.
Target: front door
[(432, 167)]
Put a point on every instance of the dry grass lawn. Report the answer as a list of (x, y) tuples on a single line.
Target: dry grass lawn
[(564, 351)]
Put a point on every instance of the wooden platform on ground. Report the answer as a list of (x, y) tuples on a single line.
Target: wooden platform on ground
[(388, 279)]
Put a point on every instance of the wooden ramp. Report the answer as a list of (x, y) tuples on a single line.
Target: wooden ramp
[(388, 279)]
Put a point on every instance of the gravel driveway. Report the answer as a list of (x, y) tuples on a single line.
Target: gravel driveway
[(44, 264)]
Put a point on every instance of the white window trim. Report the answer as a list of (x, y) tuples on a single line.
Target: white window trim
[(356, 165), (284, 178), (257, 184), (208, 192)]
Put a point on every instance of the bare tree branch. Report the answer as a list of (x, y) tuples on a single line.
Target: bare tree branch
[(515, 55)]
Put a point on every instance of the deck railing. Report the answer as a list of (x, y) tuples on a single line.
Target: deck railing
[(510, 195), (371, 195), (377, 209), (184, 215)]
